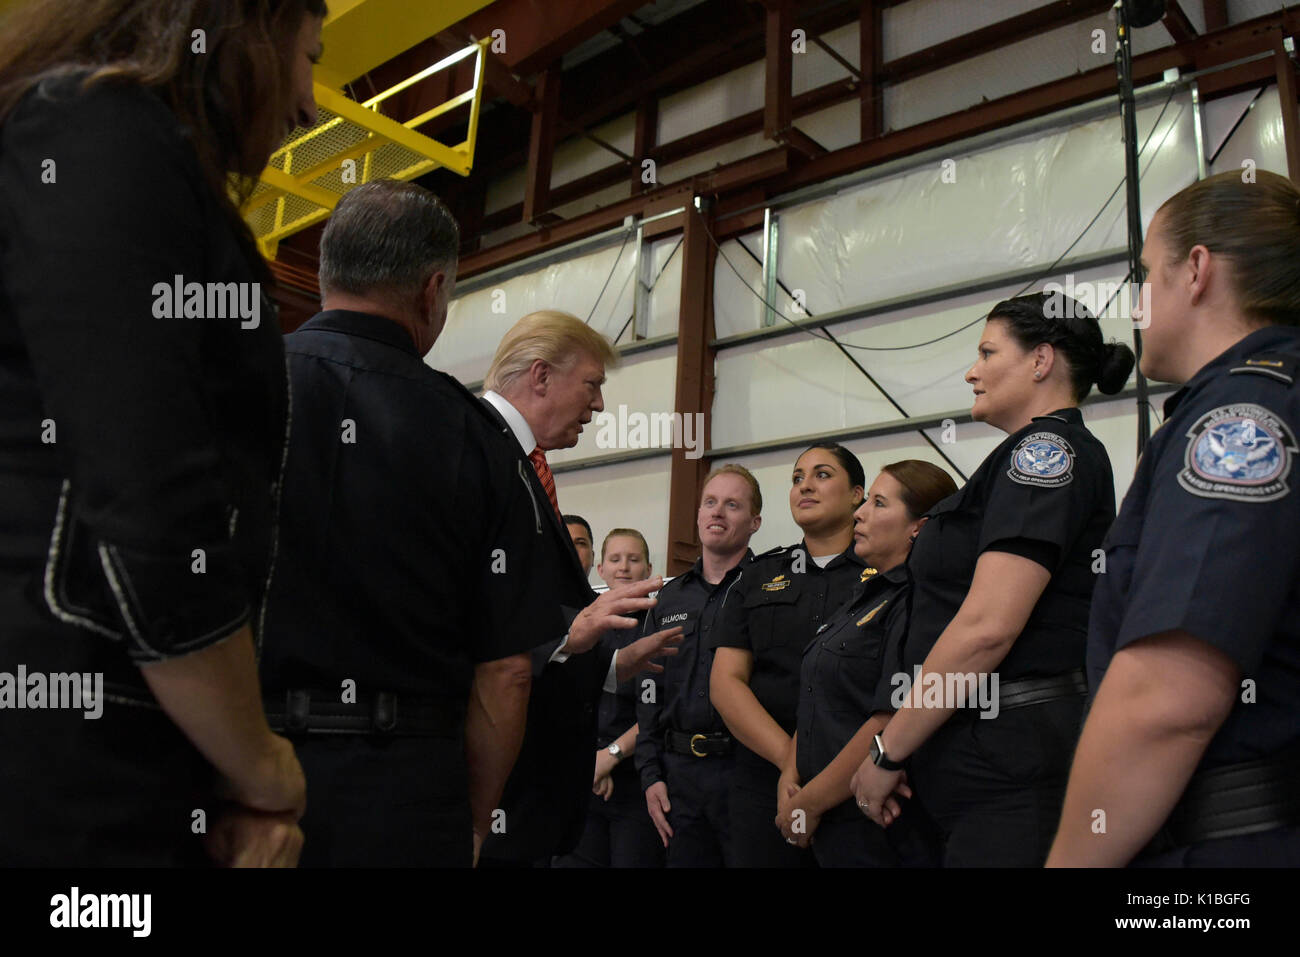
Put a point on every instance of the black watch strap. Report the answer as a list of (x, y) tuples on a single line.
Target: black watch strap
[(880, 759)]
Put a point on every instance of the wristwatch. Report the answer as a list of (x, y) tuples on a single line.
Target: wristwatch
[(616, 751), (880, 759)]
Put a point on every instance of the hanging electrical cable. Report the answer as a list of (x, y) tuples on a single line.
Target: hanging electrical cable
[(627, 234), (649, 287)]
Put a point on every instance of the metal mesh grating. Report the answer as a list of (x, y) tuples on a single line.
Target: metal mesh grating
[(349, 145)]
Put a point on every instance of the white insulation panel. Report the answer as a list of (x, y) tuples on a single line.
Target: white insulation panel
[(1013, 205), (1257, 140), (968, 216), (640, 387), (597, 286)]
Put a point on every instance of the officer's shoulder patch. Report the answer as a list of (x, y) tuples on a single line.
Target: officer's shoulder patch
[(1239, 452), (1042, 458), (1275, 365)]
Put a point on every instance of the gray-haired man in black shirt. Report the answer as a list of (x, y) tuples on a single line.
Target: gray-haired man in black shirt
[(411, 578)]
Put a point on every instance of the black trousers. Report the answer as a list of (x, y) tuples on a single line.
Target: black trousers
[(619, 832), (848, 838), (697, 793), (995, 786), (379, 801), (756, 841), (126, 789), (1279, 847)]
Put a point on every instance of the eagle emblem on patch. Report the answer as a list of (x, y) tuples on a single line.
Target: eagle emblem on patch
[(1240, 452), (1042, 458), (866, 573)]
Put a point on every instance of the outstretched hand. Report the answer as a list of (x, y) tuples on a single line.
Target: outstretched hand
[(610, 610)]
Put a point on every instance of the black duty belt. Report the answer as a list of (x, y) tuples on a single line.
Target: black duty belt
[(301, 711), (1027, 691), (716, 743), (1233, 800)]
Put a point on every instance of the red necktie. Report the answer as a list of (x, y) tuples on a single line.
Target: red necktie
[(538, 458)]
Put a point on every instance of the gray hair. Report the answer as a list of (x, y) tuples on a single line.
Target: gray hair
[(387, 236)]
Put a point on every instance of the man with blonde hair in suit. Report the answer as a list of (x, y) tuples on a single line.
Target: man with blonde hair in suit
[(543, 386)]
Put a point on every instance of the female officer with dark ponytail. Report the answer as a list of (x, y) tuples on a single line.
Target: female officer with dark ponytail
[(769, 614), (839, 715), (1191, 752), (1002, 577)]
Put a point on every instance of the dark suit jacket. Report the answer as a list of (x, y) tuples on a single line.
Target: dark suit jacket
[(545, 801)]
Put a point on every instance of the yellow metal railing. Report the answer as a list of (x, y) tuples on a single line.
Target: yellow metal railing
[(353, 143)]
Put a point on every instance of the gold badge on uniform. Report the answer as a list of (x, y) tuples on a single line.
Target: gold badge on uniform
[(867, 573), (872, 614), (777, 583)]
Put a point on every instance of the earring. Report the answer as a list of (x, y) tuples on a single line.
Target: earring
[(1038, 375)]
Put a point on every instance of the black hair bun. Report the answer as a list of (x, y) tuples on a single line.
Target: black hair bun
[(1116, 364)]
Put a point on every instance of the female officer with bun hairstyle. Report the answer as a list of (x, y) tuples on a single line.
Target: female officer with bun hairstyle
[(842, 667), (769, 614), (1002, 577), (1191, 752)]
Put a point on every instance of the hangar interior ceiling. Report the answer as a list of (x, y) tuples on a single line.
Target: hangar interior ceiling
[(717, 184)]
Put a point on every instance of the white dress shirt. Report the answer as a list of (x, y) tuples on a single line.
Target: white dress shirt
[(523, 434)]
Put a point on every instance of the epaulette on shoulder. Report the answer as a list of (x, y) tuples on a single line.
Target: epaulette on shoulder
[(773, 552), (1276, 365)]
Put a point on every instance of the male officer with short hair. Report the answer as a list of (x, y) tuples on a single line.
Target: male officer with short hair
[(683, 749), (402, 611)]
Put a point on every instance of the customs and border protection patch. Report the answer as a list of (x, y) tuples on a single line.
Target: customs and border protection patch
[(1240, 452), (1042, 458)]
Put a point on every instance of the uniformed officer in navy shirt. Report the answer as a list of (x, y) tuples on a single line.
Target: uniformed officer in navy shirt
[(1002, 575), (1191, 751), (684, 752), (769, 615), (412, 563), (846, 685)]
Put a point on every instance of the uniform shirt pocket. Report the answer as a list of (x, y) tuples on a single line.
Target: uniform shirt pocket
[(855, 655), (772, 615)]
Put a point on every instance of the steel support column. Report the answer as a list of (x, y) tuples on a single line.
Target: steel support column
[(541, 146), (694, 393)]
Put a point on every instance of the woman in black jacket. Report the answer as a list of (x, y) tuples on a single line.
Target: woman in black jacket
[(143, 415)]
